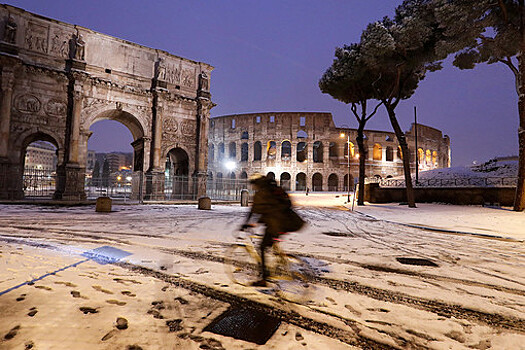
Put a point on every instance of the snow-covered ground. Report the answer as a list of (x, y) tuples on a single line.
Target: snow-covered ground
[(364, 295)]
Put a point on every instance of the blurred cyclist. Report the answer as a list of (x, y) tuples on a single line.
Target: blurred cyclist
[(274, 208)]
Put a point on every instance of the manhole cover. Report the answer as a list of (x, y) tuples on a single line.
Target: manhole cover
[(244, 324), (417, 261)]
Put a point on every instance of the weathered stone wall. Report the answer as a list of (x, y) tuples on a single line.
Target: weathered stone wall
[(58, 79), (330, 170), (459, 195)]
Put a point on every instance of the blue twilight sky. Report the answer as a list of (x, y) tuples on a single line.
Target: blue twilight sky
[(269, 55)]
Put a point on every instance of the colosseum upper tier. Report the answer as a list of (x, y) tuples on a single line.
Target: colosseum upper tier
[(305, 150)]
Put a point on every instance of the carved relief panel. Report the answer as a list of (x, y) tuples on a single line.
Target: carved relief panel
[(36, 37)]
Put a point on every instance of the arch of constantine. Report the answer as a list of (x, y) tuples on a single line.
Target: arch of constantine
[(304, 150), (57, 79)]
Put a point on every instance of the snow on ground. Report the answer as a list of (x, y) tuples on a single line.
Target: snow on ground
[(473, 298)]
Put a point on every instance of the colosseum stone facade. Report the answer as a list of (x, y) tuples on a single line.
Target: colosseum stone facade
[(305, 150)]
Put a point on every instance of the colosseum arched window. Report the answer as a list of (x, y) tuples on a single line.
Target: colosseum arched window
[(211, 152), (389, 154), (332, 150), (428, 157), (399, 153), (318, 152), (378, 152), (285, 181), (317, 182), (243, 175), (257, 151), (271, 175), (333, 182), (286, 150), (244, 152), (300, 182), (420, 155), (435, 158), (301, 134), (271, 149), (244, 135), (349, 146), (221, 151), (302, 152), (232, 150)]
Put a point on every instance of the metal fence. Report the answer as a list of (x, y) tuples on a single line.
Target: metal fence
[(457, 182), (39, 184)]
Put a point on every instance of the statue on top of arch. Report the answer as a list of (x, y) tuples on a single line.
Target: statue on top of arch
[(77, 47)]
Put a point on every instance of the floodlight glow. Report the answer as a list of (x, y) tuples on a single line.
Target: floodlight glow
[(128, 178), (342, 134), (230, 165)]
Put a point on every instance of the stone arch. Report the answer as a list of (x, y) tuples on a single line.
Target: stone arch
[(348, 180), (37, 182), (333, 182), (271, 149), (302, 152), (428, 157), (300, 182), (378, 152), (178, 170), (317, 182), (271, 175), (135, 125), (243, 175), (244, 152), (317, 152), (244, 135), (220, 151), (257, 151), (420, 156), (285, 181), (435, 158), (232, 150), (286, 150), (333, 150), (32, 135), (389, 154), (301, 134)]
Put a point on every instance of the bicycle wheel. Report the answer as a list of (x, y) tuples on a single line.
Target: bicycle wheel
[(292, 278), (240, 265)]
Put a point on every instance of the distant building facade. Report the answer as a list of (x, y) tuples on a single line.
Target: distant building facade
[(41, 156), (304, 150)]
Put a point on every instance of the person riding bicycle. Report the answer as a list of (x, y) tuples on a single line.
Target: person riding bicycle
[(274, 208)]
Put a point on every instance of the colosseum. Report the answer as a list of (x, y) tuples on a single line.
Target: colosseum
[(305, 150)]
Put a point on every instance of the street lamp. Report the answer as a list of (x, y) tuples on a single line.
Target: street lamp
[(342, 135)]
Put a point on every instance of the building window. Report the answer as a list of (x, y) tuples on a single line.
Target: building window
[(378, 152), (244, 135), (302, 121), (258, 119), (244, 152), (233, 123), (272, 119), (318, 152), (257, 151)]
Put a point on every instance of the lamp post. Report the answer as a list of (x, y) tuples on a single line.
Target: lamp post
[(348, 162)]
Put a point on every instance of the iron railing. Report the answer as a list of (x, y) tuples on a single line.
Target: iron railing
[(457, 182)]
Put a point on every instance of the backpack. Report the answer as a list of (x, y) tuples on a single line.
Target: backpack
[(291, 220)]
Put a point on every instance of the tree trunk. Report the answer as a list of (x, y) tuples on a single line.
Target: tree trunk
[(519, 200), (362, 160), (405, 153)]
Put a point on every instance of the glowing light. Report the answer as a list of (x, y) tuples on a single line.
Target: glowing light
[(230, 165), (128, 178), (119, 178), (342, 134)]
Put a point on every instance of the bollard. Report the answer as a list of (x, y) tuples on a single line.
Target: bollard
[(245, 196), (103, 205), (205, 203)]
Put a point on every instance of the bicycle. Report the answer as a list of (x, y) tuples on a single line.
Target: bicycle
[(288, 272)]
